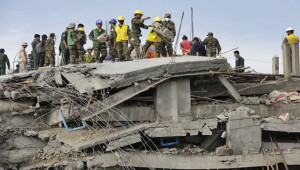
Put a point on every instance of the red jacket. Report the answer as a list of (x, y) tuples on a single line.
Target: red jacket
[(186, 46)]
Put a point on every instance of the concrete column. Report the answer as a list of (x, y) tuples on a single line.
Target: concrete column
[(295, 59), (275, 65), (287, 57)]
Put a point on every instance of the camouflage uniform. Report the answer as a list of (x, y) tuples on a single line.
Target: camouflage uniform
[(157, 43), (136, 25), (170, 25), (72, 45), (98, 46), (111, 42), (122, 46), (3, 62), (50, 52), (81, 40), (212, 45)]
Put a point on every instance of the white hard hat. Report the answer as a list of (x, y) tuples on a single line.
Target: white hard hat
[(289, 29)]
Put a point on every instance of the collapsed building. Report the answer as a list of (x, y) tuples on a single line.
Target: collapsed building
[(166, 113)]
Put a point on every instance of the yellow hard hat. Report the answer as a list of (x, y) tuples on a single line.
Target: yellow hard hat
[(157, 18), (81, 29), (138, 12), (121, 18)]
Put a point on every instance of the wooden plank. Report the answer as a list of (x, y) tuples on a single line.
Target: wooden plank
[(231, 90), (119, 97)]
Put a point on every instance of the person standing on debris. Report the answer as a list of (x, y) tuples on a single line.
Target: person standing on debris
[(81, 40), (197, 49), (3, 62), (111, 40), (291, 38), (121, 40), (63, 48), (239, 61), (98, 34), (185, 45), (42, 53), (50, 51), (212, 45), (36, 56), (23, 57), (136, 24), (88, 56), (72, 42), (154, 38), (167, 43)]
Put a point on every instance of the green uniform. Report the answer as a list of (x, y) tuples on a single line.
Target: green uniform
[(72, 45), (3, 62), (50, 52), (64, 51), (36, 56), (111, 42), (136, 25), (99, 47), (81, 40), (167, 43), (212, 45), (42, 55), (239, 63)]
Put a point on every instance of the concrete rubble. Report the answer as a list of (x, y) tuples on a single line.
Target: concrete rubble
[(189, 114)]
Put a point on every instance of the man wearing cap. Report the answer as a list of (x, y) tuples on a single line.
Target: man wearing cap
[(63, 48), (23, 57), (99, 47), (197, 49), (3, 62), (50, 51), (212, 45), (111, 40), (121, 41), (81, 40), (167, 43), (136, 24), (43, 53), (72, 42), (36, 56), (239, 61)]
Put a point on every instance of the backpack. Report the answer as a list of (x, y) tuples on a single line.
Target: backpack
[(40, 47)]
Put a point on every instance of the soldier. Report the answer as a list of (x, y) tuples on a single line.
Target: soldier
[(99, 47), (63, 48), (81, 40), (212, 45), (154, 38), (72, 44), (136, 24), (121, 41), (167, 43), (111, 40), (50, 51), (3, 62), (43, 54), (36, 56), (23, 57)]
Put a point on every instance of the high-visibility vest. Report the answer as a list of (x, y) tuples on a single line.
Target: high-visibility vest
[(153, 37), (121, 33), (292, 38), (70, 41)]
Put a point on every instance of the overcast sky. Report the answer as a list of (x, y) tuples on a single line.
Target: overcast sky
[(257, 27)]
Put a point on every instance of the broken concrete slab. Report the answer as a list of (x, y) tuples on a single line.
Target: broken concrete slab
[(277, 125), (124, 141), (231, 90)]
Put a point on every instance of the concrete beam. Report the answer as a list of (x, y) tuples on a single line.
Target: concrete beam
[(124, 141), (277, 125), (295, 59), (287, 60), (275, 65), (231, 90)]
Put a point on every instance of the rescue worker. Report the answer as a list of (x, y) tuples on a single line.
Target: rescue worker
[(212, 45), (239, 61), (154, 38), (136, 24), (99, 47), (197, 49), (111, 40), (167, 43), (81, 40), (23, 57), (151, 52), (50, 51), (63, 48), (185, 45), (36, 56), (88, 56), (72, 42), (3, 62), (43, 54), (291, 38), (121, 42)]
